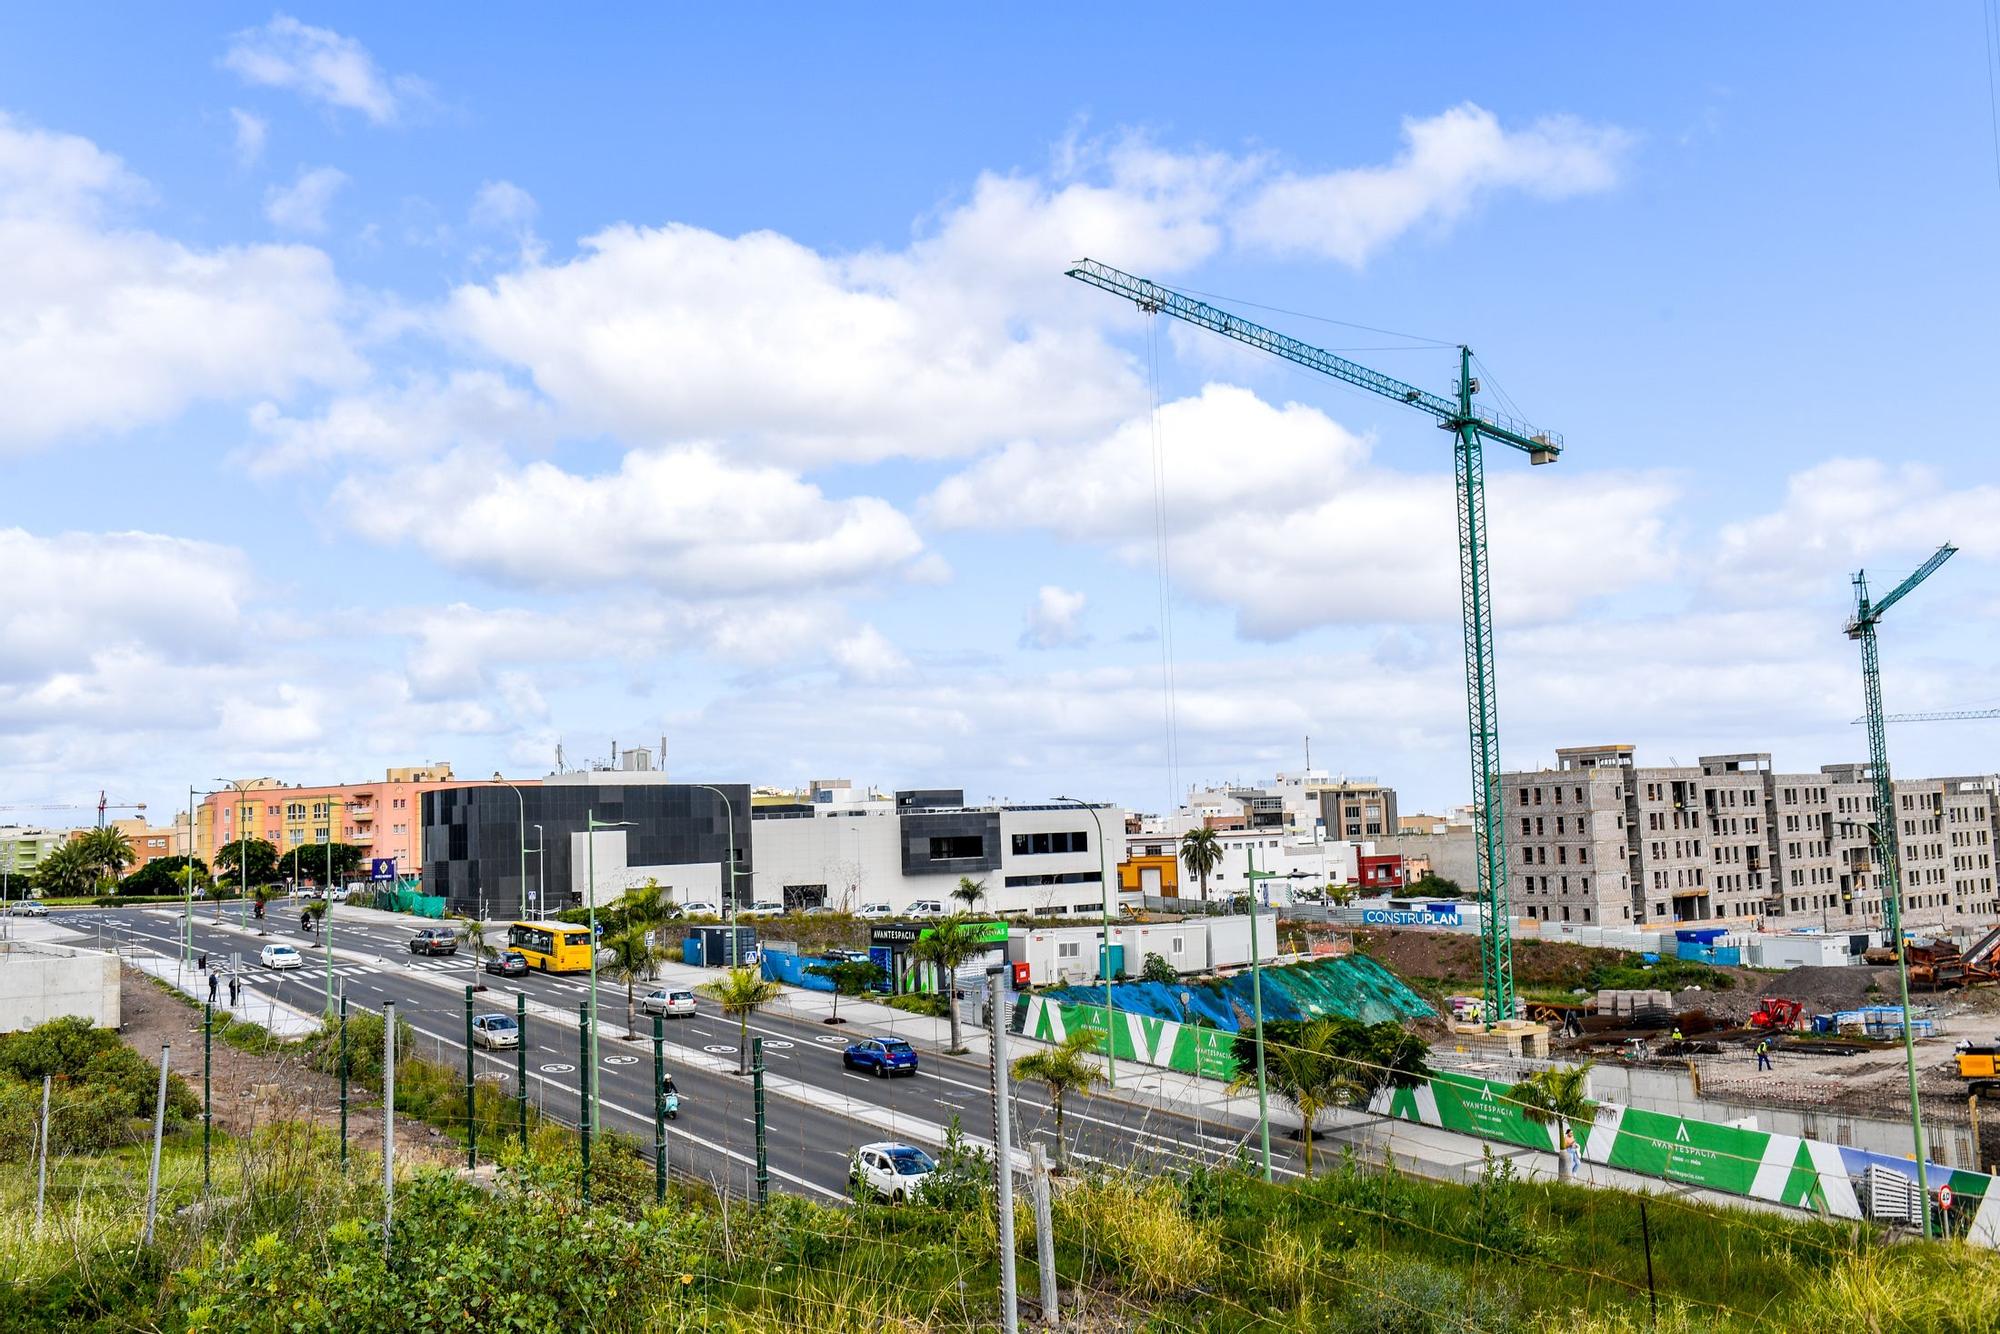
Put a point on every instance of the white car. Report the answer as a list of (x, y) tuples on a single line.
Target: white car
[(28, 908), (890, 1171), (926, 908), (280, 956), (875, 911), (669, 1001), (700, 910), (762, 908), (496, 1030)]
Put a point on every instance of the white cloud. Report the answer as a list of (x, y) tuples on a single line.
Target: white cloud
[(1279, 514), (75, 595), (105, 327), (683, 520), (1052, 619), (1843, 513), (251, 131), (321, 66), (302, 205), (425, 416), (1449, 163), (867, 655), (503, 206)]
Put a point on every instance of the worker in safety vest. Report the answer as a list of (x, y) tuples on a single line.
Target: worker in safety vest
[(1675, 1036), (1763, 1053)]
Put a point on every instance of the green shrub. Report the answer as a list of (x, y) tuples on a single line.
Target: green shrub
[(918, 1003), (1136, 1233), (1395, 1295)]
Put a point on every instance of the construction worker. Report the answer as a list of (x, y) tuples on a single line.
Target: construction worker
[(1763, 1053), (1675, 1036)]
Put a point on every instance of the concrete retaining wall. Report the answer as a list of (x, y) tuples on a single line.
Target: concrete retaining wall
[(43, 982)]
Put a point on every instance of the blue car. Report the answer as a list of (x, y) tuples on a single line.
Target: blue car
[(885, 1056)]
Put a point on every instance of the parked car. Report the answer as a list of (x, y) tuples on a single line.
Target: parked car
[(280, 956), (874, 911), (890, 1171), (885, 1056), (700, 910), (926, 908), (28, 908), (669, 1001), (434, 940), (507, 963), (762, 908), (495, 1030), (305, 892)]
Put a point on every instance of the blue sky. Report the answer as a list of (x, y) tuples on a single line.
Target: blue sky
[(391, 388)]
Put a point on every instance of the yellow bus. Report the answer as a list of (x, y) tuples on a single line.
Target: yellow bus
[(553, 947)]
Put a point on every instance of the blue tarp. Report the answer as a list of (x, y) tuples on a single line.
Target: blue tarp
[(794, 970), (1354, 986)]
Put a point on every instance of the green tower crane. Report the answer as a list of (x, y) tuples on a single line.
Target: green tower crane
[(1889, 875), (1470, 426)]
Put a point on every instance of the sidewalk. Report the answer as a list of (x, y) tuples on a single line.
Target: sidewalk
[(283, 1020)]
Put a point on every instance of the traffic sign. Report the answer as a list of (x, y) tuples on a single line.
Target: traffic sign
[(1944, 1197), (382, 868)]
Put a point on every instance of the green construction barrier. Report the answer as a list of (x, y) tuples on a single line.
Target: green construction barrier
[(1135, 1037)]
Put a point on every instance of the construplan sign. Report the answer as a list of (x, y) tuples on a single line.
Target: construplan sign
[(1431, 914)]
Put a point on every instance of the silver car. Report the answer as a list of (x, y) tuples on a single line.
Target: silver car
[(669, 1001)]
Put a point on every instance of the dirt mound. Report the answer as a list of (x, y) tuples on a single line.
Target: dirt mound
[(1439, 956), (1825, 989)]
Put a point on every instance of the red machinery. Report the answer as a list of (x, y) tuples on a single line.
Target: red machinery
[(1777, 1012)]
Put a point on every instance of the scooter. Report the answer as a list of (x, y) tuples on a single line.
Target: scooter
[(673, 1105)]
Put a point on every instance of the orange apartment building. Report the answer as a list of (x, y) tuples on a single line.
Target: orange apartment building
[(149, 844), (383, 819)]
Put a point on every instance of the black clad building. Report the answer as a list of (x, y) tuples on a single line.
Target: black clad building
[(472, 840)]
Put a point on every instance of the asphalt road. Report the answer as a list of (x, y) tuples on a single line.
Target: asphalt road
[(809, 1142)]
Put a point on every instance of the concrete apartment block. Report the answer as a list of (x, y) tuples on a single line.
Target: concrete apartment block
[(1729, 839)]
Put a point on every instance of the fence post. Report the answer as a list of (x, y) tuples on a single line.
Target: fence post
[(42, 1168), (583, 1091), (521, 1065), (1045, 1234), (1003, 1150), (659, 1110), (388, 1123), (159, 1129), (471, 1106), (757, 1095), (343, 1077), (207, 1084), (1646, 1232)]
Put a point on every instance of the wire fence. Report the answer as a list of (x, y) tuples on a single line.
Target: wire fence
[(1159, 1217)]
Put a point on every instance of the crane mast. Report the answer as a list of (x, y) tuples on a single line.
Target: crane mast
[(1471, 426), (1889, 879)]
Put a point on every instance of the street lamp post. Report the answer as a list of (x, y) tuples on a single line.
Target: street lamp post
[(326, 902), (242, 851), (1253, 877), (729, 869), (541, 874), (520, 828), (1104, 952), (591, 824)]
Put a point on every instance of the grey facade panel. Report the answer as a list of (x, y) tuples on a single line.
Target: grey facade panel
[(968, 840)]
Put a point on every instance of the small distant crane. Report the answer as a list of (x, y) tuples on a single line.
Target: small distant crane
[(104, 805), (1890, 879)]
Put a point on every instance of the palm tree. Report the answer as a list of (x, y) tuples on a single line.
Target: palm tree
[(108, 851), (1065, 1068), (950, 943), (969, 892), (1201, 853), (473, 932), (629, 955), (1306, 1071), (1556, 1096), (742, 992), (66, 870)]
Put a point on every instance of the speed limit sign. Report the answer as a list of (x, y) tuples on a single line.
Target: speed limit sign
[(1944, 1197)]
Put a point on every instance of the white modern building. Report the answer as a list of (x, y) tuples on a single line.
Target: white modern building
[(1045, 859)]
